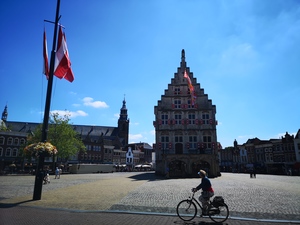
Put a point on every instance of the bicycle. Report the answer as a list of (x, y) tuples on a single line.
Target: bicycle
[(217, 209)]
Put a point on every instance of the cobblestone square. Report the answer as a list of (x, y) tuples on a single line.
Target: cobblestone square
[(266, 197)]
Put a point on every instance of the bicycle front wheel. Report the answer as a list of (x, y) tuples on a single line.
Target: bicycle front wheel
[(220, 214), (186, 210)]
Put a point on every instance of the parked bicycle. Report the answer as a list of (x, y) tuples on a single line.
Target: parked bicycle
[(217, 209)]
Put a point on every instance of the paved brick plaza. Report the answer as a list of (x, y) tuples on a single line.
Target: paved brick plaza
[(266, 197)]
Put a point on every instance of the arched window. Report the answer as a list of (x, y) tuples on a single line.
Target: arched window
[(8, 152), (10, 141), (15, 152), (22, 141), (16, 141), (2, 140)]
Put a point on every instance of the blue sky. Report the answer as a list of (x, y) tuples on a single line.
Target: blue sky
[(245, 54)]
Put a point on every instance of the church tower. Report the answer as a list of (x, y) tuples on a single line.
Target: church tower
[(185, 128), (123, 125)]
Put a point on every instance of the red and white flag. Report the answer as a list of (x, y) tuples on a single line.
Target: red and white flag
[(45, 55), (62, 67), (191, 88)]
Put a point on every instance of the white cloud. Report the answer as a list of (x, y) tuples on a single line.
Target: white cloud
[(135, 137), (69, 113), (88, 101)]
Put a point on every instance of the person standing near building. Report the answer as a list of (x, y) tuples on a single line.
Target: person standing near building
[(207, 190), (57, 173)]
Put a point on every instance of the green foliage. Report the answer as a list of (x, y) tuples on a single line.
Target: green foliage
[(60, 134)]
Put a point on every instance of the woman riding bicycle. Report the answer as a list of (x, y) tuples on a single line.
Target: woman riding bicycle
[(207, 190)]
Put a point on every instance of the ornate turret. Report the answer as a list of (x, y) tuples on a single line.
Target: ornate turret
[(4, 114), (123, 124)]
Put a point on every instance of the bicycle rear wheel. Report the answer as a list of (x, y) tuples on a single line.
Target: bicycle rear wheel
[(219, 214), (186, 210)]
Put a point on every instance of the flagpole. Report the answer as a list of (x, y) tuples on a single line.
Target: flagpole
[(37, 193)]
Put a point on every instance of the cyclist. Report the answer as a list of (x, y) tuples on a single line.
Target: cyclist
[(207, 190)]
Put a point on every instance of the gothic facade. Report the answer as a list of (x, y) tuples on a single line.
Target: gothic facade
[(185, 126)]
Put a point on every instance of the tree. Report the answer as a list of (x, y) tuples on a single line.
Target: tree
[(60, 134)]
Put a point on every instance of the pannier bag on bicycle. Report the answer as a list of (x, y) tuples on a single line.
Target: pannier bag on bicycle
[(218, 201)]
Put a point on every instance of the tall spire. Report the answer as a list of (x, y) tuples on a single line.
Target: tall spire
[(4, 114), (183, 63)]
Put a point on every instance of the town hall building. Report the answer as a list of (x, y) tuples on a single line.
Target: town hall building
[(185, 126)]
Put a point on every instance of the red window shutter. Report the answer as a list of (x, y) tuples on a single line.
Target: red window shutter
[(188, 121), (210, 121), (182, 121), (173, 106), (170, 145), (159, 122), (169, 122), (197, 121), (201, 121), (173, 121)]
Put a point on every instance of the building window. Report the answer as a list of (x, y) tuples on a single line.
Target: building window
[(190, 105), (178, 139), (192, 118), (193, 142), (177, 119), (8, 152), (207, 141), (177, 103), (164, 142), (2, 139), (88, 147), (9, 141), (164, 119), (177, 91), (16, 141), (205, 118), (22, 141), (1, 151), (15, 152)]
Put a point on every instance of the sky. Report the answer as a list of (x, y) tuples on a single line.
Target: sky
[(244, 53)]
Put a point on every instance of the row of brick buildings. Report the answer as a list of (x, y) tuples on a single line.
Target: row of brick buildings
[(274, 156), (103, 145)]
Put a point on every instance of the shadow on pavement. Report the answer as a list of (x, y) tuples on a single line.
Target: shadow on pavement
[(150, 176), (10, 205), (197, 223)]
